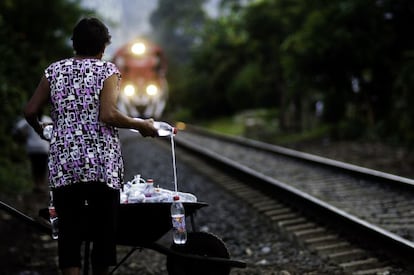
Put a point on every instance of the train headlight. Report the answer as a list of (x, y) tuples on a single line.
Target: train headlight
[(129, 90), (138, 48), (152, 90)]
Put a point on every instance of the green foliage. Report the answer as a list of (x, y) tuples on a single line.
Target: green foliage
[(246, 87), (175, 25), (14, 177), (402, 115), (33, 34), (260, 124), (317, 133), (226, 125), (285, 54), (175, 29), (216, 61)]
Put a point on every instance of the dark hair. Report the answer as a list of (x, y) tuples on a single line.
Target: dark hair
[(90, 37)]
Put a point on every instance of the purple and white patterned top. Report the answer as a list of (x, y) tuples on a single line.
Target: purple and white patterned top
[(82, 148)]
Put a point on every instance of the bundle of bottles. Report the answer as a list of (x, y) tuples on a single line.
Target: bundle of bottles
[(139, 190)]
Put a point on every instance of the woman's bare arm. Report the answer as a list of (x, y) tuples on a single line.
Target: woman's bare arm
[(36, 103), (109, 113)]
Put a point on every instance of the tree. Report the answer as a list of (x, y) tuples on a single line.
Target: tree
[(341, 43), (355, 56), (33, 34), (175, 27), (218, 59)]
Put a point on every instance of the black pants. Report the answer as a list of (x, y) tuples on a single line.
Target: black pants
[(87, 211)]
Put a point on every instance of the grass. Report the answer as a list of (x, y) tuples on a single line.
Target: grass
[(15, 178), (226, 125), (309, 135), (263, 125)]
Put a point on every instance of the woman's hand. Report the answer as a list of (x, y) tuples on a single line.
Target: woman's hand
[(146, 127)]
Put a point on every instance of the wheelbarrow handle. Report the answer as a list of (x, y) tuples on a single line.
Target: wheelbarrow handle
[(43, 227)]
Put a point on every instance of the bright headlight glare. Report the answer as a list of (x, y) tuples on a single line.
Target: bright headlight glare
[(129, 90), (138, 48), (152, 90)]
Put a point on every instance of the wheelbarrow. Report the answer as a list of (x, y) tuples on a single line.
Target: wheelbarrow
[(203, 254)]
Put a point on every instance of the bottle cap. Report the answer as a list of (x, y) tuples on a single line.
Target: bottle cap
[(150, 181), (176, 198), (47, 131)]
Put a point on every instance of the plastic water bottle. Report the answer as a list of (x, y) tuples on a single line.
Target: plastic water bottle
[(149, 188), (178, 221), (164, 129), (135, 193), (47, 131), (53, 217), (187, 197)]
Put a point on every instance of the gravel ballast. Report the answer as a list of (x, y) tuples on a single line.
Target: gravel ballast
[(247, 235)]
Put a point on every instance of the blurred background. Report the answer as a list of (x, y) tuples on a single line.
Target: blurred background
[(281, 71)]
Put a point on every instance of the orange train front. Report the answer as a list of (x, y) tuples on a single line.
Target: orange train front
[(144, 88)]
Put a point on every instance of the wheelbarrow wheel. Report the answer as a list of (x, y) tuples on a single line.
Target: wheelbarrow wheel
[(201, 244)]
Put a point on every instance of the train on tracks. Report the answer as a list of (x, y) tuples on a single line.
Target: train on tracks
[(144, 87)]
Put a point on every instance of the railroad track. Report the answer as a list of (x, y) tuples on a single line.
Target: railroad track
[(360, 219)]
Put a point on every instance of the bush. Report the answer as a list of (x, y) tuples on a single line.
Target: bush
[(15, 178)]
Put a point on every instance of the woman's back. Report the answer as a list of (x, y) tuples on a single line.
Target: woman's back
[(82, 148)]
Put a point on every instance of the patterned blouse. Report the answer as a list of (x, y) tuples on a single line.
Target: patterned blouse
[(82, 148)]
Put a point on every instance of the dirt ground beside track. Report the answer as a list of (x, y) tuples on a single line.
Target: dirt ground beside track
[(19, 244)]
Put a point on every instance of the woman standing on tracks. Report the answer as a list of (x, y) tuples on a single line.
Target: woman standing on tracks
[(85, 162)]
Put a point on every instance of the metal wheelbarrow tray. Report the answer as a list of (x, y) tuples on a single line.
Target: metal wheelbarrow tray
[(141, 225)]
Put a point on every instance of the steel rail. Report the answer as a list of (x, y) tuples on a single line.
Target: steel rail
[(403, 182), (396, 245)]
